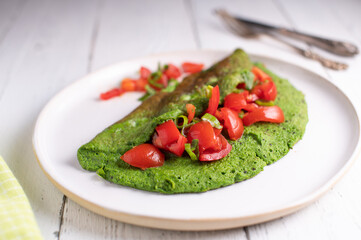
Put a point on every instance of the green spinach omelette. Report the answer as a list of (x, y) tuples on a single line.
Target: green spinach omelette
[(262, 143)]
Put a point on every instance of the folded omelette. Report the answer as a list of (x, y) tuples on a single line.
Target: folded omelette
[(261, 143)]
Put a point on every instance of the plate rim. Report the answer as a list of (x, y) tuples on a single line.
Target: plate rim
[(200, 224)]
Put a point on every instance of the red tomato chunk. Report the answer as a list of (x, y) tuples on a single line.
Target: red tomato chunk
[(232, 123), (272, 114), (144, 156), (189, 67), (168, 137)]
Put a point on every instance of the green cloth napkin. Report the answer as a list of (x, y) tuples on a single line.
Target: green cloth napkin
[(16, 217)]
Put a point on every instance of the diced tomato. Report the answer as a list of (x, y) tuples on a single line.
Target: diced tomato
[(213, 101), (232, 123), (236, 101), (211, 155), (218, 115), (163, 80), (191, 110), (167, 132), (168, 137), (156, 141), (272, 114), (178, 147), (144, 73), (250, 107), (266, 91), (203, 131), (172, 71), (189, 67), (140, 84), (251, 98), (144, 156), (128, 85), (115, 92), (260, 75), (217, 131)]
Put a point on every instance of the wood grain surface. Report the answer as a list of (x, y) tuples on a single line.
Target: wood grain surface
[(46, 45)]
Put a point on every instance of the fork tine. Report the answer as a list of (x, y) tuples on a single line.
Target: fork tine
[(234, 25)]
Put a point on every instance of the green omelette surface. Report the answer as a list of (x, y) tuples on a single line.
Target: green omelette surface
[(261, 144)]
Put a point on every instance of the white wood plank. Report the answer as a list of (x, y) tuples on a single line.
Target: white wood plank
[(83, 224), (9, 12), (348, 14), (136, 28), (44, 50)]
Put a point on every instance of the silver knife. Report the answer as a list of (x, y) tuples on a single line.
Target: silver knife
[(334, 46)]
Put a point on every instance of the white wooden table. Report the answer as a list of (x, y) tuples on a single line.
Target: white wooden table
[(46, 45)]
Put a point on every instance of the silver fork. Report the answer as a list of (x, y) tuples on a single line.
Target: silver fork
[(249, 32)]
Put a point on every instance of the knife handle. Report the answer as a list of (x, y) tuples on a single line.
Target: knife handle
[(324, 61), (337, 47)]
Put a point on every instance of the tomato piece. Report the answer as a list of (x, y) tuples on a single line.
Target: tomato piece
[(156, 141), (260, 75), (172, 71), (272, 114), (203, 131), (218, 115), (232, 123), (270, 91), (236, 101), (189, 67), (144, 156), (163, 80), (211, 155), (140, 84), (115, 92), (191, 110), (251, 98), (213, 101), (250, 107), (178, 147), (128, 85), (167, 132), (144, 73), (266, 91), (159, 139), (217, 131)]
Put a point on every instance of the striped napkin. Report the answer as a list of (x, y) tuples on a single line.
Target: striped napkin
[(16, 217)]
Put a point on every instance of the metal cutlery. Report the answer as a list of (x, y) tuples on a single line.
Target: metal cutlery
[(341, 48), (251, 31)]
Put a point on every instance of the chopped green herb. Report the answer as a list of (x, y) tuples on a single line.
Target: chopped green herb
[(212, 120), (248, 78), (183, 120), (150, 92), (154, 77), (191, 154), (193, 149), (209, 91), (172, 85), (265, 103)]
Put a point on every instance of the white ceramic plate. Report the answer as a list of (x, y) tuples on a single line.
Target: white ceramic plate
[(75, 115)]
